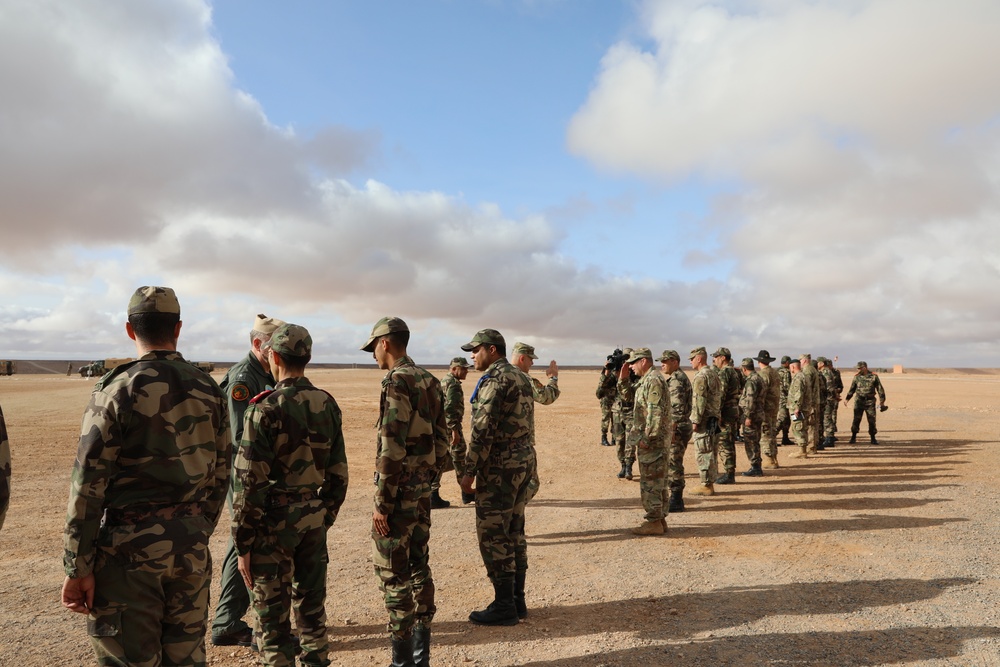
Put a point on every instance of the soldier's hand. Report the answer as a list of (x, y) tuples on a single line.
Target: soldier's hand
[(243, 565), (623, 371), (466, 484), (553, 369), (78, 594), (380, 523), (747, 423), (456, 437)]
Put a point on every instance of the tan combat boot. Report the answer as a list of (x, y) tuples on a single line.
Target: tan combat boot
[(801, 454), (650, 528), (769, 462), (704, 490)]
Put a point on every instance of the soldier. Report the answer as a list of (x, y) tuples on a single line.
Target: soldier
[(865, 384), (651, 429), (706, 405), (244, 380), (831, 399), (722, 362), (838, 384), (813, 412), (773, 399), (782, 423), (523, 357), (679, 387), (4, 470), (290, 477), (626, 403), (454, 413), (500, 462), (799, 403), (606, 390), (412, 446), (146, 492), (753, 403)]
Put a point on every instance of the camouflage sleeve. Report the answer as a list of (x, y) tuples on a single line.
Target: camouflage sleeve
[(638, 434), (544, 394), (854, 388), (454, 406), (626, 390), (838, 382), (4, 470), (747, 397), (442, 432), (251, 478), (394, 427), (796, 399), (698, 398), (603, 387), (676, 401), (96, 464), (335, 483), (654, 398), (483, 425), (879, 389), (223, 466)]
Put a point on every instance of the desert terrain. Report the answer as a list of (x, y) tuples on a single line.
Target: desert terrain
[(862, 555)]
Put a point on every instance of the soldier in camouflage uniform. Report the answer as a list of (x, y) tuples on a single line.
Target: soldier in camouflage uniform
[(783, 422), (753, 404), (290, 480), (626, 404), (832, 398), (679, 387), (146, 492), (244, 380), (606, 390), (799, 403), (523, 357), (706, 406), (4, 470), (772, 401), (729, 424), (454, 413), (500, 462), (411, 448), (813, 413), (838, 385), (865, 384), (651, 430)]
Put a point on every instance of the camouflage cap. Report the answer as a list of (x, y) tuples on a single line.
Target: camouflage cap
[(485, 337), (698, 351), (386, 325), (627, 351), (525, 349), (806, 355), (862, 364), (747, 363), (723, 352), (786, 359), (292, 340), (639, 353), (461, 362), (266, 325), (154, 300), (822, 360), (669, 355), (764, 357)]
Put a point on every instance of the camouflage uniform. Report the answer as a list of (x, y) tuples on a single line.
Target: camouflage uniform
[(799, 400), (813, 411), (606, 395), (838, 385), (706, 406), (544, 394), (626, 405), (679, 387), (730, 414), (753, 402), (831, 398), (772, 402), (865, 387), (4, 470), (454, 413), (411, 447), (783, 421), (650, 429), (149, 483)]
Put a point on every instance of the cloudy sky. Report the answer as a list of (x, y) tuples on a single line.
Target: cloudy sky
[(799, 176)]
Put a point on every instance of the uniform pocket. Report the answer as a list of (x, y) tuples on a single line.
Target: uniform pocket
[(106, 625)]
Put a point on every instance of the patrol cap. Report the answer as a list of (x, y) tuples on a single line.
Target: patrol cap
[(764, 357), (291, 340), (640, 353), (786, 359), (805, 355), (266, 325), (698, 351), (747, 363), (525, 349), (627, 351), (460, 362), (669, 355), (723, 352), (862, 364), (822, 360), (485, 337), (386, 325), (154, 300)]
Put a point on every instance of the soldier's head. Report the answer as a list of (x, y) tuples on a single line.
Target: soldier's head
[(698, 357), (523, 356), (795, 366), (263, 327), (821, 362), (388, 341), (785, 360), (747, 366), (154, 318), (670, 361), (487, 346), (862, 367), (289, 350), (459, 368), (721, 357), (641, 361), (764, 358)]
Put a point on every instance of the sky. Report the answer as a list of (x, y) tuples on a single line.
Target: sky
[(798, 176)]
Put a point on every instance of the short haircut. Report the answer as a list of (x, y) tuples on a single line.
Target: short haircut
[(294, 362), (154, 328), (501, 349), (259, 335), (398, 338)]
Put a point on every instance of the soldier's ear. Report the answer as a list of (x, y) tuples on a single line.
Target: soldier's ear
[(129, 330)]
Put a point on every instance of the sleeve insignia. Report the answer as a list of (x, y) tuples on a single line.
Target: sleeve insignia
[(240, 392)]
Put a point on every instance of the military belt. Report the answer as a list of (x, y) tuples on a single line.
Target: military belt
[(141, 514), (501, 447), (285, 499), (412, 477)]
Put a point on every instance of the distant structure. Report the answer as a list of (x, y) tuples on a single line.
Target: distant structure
[(898, 368)]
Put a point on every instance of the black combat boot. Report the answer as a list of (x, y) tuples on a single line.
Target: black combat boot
[(402, 652), (785, 440), (829, 441), (502, 610), (604, 440), (437, 502), (726, 478), (822, 445), (421, 645), (754, 471), (874, 441), (519, 604), (621, 473), (628, 469), (854, 438), (676, 503), (468, 498)]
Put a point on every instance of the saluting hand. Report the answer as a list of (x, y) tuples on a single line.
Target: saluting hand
[(553, 369)]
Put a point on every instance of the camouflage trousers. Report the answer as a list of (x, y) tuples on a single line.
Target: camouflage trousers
[(706, 447), (533, 482), (454, 462), (622, 426), (829, 418), (864, 407), (289, 574), (728, 428), (798, 431), (653, 483), (401, 561), (151, 593), (501, 497), (675, 457), (836, 408), (605, 417), (782, 422), (767, 431), (751, 442), (812, 428)]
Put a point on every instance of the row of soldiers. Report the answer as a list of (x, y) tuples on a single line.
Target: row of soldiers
[(652, 417)]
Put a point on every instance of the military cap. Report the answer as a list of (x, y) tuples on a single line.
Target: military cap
[(485, 337), (806, 355), (154, 300), (639, 353), (723, 352), (747, 363), (786, 359), (386, 325), (292, 340), (668, 355), (627, 351), (525, 349), (266, 325), (862, 364), (764, 357), (697, 351), (461, 362), (822, 360)]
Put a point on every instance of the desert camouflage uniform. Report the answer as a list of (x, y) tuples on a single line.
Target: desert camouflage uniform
[(706, 404), (799, 399), (679, 387), (454, 413), (831, 398), (772, 401), (290, 481), (729, 417), (411, 447), (783, 421), (149, 483), (606, 395), (813, 413), (865, 387), (4, 470), (244, 380), (544, 394), (502, 460), (753, 404), (626, 404), (649, 436)]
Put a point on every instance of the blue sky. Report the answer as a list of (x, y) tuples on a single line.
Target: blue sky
[(770, 174)]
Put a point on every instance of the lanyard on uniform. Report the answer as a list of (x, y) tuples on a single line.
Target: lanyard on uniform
[(475, 392)]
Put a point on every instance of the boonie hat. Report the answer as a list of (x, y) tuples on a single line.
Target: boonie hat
[(154, 300), (525, 349), (266, 325), (292, 340), (485, 337), (668, 355), (386, 325)]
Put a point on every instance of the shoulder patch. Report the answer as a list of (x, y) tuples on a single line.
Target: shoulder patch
[(240, 392), (261, 396)]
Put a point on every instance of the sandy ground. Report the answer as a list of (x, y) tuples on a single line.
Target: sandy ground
[(863, 555)]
